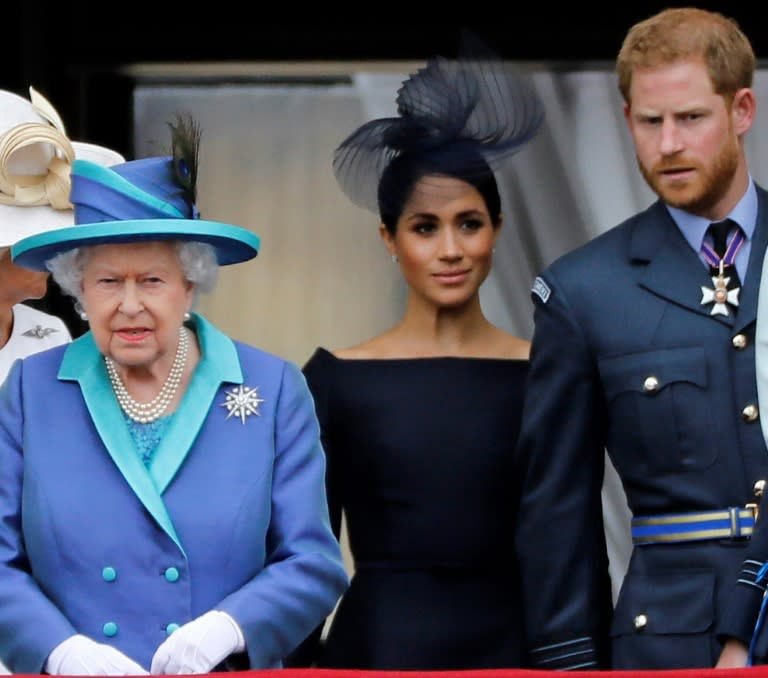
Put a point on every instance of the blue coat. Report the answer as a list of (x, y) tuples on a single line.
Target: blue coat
[(625, 357), (231, 515)]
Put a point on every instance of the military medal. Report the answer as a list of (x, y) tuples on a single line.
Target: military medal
[(719, 295)]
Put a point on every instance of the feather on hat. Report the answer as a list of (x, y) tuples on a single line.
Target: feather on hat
[(142, 200)]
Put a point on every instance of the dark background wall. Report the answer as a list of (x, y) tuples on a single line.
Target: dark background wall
[(72, 52)]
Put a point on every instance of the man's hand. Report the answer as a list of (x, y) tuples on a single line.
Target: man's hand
[(734, 655)]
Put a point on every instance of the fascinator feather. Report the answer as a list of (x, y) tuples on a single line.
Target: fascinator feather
[(476, 110)]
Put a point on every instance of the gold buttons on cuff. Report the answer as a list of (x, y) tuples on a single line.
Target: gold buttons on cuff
[(650, 384), (640, 621), (739, 341), (749, 413)]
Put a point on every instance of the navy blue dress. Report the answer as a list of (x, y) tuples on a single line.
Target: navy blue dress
[(420, 460)]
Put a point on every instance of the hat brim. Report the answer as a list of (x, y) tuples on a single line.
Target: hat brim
[(17, 221), (233, 244)]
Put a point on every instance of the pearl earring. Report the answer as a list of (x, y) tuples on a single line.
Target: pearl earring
[(83, 316), (395, 259), (187, 316)]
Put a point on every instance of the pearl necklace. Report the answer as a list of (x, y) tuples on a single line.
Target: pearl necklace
[(144, 413)]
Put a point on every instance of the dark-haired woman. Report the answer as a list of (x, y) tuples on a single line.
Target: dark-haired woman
[(419, 423)]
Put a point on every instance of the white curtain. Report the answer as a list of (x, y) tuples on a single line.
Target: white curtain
[(322, 277)]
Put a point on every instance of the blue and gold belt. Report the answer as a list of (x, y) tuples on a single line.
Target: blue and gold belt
[(736, 522)]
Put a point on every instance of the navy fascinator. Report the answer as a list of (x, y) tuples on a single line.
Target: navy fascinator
[(473, 112)]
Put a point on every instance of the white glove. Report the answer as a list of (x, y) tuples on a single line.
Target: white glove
[(80, 656), (198, 646)]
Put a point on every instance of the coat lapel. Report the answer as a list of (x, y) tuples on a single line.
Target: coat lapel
[(219, 363), (83, 363), (675, 272)]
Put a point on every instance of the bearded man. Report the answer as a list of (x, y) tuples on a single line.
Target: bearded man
[(644, 347)]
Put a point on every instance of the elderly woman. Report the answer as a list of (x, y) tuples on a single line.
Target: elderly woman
[(162, 501)]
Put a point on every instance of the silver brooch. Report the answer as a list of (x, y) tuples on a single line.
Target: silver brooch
[(242, 402), (39, 332)]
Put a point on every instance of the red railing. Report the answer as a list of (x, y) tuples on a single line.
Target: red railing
[(752, 672)]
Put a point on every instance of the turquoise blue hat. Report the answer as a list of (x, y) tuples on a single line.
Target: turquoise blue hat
[(142, 200)]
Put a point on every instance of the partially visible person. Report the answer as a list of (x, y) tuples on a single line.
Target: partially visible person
[(162, 498), (419, 423), (644, 345), (35, 157), (744, 631)]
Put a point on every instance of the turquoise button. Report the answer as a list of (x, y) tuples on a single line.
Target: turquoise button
[(109, 629), (172, 574), (109, 574), (171, 628)]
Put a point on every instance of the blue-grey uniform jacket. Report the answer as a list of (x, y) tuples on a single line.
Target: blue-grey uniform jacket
[(625, 357)]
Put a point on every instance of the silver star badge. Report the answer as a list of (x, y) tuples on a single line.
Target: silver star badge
[(242, 402), (720, 296), (39, 332)]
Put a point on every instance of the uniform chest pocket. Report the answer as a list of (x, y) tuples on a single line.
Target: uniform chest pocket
[(661, 410)]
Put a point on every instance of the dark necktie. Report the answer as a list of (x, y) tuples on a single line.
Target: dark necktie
[(721, 232)]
